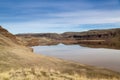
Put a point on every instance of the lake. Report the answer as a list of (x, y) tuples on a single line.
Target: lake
[(100, 57)]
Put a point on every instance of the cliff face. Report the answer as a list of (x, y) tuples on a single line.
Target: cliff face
[(88, 35), (93, 34)]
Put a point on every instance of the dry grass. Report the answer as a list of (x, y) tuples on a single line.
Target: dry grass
[(43, 74)]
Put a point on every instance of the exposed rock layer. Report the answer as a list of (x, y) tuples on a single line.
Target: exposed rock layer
[(92, 36)]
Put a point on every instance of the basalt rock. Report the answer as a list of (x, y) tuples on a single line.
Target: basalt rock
[(93, 34), (87, 36)]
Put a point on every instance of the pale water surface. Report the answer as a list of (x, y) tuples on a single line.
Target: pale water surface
[(101, 57)]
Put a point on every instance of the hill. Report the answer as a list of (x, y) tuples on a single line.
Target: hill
[(18, 62)]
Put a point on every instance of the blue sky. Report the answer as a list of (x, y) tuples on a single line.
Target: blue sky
[(42, 16)]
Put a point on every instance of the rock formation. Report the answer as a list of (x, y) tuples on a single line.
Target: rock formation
[(111, 35), (93, 34)]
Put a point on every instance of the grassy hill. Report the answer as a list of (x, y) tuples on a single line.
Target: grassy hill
[(18, 62)]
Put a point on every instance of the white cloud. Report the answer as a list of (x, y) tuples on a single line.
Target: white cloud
[(66, 20), (82, 17), (35, 15)]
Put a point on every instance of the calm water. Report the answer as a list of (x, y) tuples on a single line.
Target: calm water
[(101, 57)]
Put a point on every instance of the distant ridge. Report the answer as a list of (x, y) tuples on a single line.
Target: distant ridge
[(100, 35)]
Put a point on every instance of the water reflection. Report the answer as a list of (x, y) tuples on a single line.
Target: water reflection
[(110, 45), (101, 57)]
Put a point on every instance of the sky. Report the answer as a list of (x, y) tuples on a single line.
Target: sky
[(43, 16)]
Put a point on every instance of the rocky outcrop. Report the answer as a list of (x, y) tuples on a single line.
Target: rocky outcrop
[(87, 35), (93, 34)]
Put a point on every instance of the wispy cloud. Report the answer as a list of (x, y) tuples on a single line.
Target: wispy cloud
[(51, 15)]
